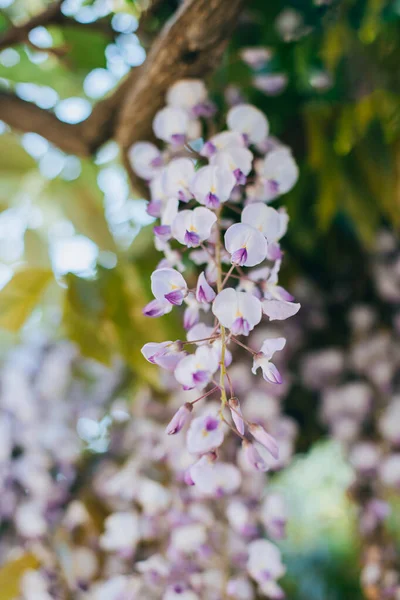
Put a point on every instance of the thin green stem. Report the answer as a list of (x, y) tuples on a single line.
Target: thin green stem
[(223, 333)]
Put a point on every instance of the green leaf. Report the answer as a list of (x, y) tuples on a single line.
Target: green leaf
[(35, 249), (14, 160), (20, 295), (11, 574), (86, 47), (104, 317), (51, 72), (82, 202)]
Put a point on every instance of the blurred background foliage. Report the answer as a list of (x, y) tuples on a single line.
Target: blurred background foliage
[(75, 255)]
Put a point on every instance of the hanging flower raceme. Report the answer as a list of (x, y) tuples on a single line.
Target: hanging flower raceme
[(198, 186)]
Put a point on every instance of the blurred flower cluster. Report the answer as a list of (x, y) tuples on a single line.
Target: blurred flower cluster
[(358, 385), (95, 489), (110, 515)]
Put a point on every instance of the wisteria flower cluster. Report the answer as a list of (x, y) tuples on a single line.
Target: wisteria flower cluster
[(110, 516), (197, 186)]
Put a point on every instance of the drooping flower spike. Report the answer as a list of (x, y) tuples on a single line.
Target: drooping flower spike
[(214, 228)]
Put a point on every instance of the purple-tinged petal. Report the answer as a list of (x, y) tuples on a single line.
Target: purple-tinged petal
[(278, 310), (204, 435), (200, 377), (163, 232), (175, 297), (179, 419), (208, 149), (236, 413), (240, 177), (253, 457), (191, 316), (178, 139), (240, 326), (154, 209), (156, 308), (212, 201), (274, 251), (191, 239), (265, 439), (204, 292), (239, 257)]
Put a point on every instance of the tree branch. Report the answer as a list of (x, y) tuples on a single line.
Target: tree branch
[(19, 33), (52, 15), (190, 45), (25, 116)]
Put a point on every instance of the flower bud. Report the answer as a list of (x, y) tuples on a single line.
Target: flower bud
[(265, 439), (179, 419)]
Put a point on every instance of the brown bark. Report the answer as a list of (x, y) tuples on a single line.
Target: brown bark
[(190, 45)]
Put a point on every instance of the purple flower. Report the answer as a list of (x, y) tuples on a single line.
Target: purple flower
[(265, 439), (180, 418), (168, 284), (196, 370), (262, 359), (253, 457), (191, 227), (236, 414), (165, 354), (238, 311), (204, 435), (246, 245), (204, 292)]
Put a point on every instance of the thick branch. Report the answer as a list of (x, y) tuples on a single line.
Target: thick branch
[(20, 33), (52, 15), (82, 139), (25, 116), (190, 45)]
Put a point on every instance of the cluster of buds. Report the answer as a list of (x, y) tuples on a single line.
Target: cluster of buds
[(211, 195)]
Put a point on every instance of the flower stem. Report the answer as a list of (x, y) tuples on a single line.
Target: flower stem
[(223, 334), (227, 275), (243, 345), (205, 395)]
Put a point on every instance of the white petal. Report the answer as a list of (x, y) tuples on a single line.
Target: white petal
[(272, 345), (170, 121), (177, 177), (280, 166), (250, 307), (278, 310), (214, 180), (204, 219), (264, 218), (225, 306), (241, 236), (234, 158), (186, 93), (163, 281), (144, 158), (169, 212), (247, 119)]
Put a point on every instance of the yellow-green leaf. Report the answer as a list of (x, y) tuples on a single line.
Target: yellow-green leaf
[(82, 202), (35, 249), (20, 295), (11, 574)]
